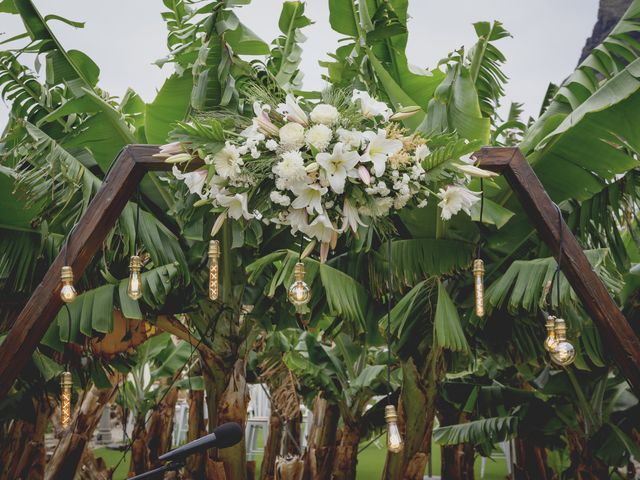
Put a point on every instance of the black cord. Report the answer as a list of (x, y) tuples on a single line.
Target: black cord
[(68, 333), (556, 274), (301, 247), (479, 249), (389, 296), (137, 227)]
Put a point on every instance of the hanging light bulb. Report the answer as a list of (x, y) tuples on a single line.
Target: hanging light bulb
[(394, 439), (550, 343), (478, 273), (564, 353), (134, 289), (66, 382), (214, 278), (68, 292), (299, 292)]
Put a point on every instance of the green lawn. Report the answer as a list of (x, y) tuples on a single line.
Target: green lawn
[(370, 464)]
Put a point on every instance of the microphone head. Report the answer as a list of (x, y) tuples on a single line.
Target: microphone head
[(228, 434)]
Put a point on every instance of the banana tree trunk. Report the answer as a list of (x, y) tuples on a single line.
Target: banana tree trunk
[(456, 460), (233, 408), (321, 447), (584, 464), (160, 427), (196, 464), (417, 409), (23, 453), (531, 461), (272, 447), (68, 455), (289, 468), (140, 462), (346, 457)]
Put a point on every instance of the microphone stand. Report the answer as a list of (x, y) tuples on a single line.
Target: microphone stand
[(159, 472)]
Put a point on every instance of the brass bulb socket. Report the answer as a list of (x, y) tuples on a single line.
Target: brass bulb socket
[(390, 414), (214, 249), (66, 380), (478, 266), (135, 263), (560, 330), (66, 274), (298, 271)]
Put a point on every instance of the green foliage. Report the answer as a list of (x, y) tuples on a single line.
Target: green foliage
[(486, 430)]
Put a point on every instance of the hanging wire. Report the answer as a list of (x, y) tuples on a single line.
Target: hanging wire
[(301, 247), (137, 225), (555, 279), (479, 248), (389, 296)]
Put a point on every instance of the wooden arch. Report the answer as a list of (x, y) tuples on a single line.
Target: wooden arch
[(136, 160)]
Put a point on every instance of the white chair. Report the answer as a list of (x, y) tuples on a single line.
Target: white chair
[(258, 413), (507, 450), (181, 423)]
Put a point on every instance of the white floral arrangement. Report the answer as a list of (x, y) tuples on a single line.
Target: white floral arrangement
[(323, 170)]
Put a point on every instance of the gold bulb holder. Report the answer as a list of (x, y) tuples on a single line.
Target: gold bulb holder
[(135, 263), (298, 271), (560, 329), (66, 274), (478, 274), (564, 353), (214, 249), (550, 342), (390, 414), (66, 382)]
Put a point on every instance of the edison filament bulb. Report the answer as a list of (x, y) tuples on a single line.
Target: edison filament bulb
[(394, 439), (68, 292), (66, 382), (299, 292), (134, 289), (564, 353), (550, 343), (478, 274), (214, 270)]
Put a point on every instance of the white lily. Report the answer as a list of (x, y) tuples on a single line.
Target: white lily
[(262, 120), (169, 149), (455, 198), (476, 172), (309, 196), (297, 219), (365, 176), (321, 228), (291, 111), (379, 149), (370, 107), (193, 180), (338, 166), (351, 218), (236, 205)]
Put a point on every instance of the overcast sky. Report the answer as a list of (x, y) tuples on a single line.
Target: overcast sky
[(124, 37)]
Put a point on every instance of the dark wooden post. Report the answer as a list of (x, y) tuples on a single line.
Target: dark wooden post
[(135, 160), (620, 340)]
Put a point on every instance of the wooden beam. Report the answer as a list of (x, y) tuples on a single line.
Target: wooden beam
[(620, 340), (101, 215)]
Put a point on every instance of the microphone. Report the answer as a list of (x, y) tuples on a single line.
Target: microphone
[(226, 435)]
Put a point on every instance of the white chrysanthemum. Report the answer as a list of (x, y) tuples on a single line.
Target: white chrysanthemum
[(421, 152), (455, 198), (319, 137), (292, 135), (271, 145), (325, 114), (352, 139), (290, 170), (227, 161), (280, 198), (378, 208), (236, 205)]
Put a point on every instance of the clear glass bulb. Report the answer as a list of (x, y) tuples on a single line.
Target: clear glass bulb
[(134, 288), (394, 439), (214, 270), (299, 292), (68, 293), (66, 382), (478, 273), (550, 342), (564, 352)]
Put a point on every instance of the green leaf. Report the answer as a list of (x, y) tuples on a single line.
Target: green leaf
[(448, 330), (492, 213), (342, 17), (7, 6), (487, 430), (48, 368), (170, 106)]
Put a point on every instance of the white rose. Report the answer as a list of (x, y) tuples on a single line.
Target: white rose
[(292, 135), (325, 114), (319, 136)]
